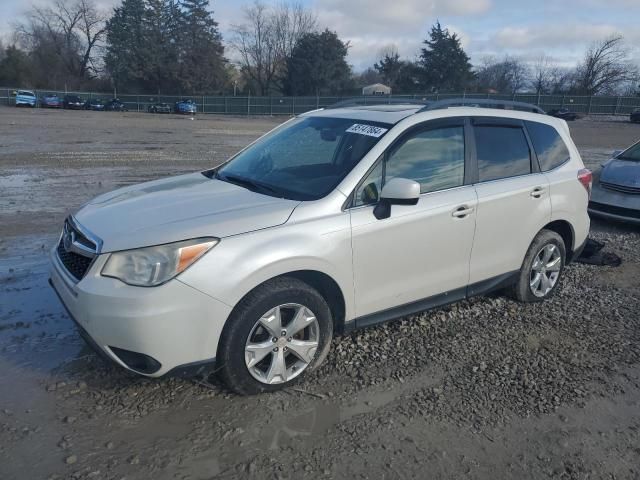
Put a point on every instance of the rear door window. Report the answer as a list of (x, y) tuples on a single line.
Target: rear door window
[(502, 152), (549, 146)]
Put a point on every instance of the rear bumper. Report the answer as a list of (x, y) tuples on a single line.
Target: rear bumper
[(155, 331)]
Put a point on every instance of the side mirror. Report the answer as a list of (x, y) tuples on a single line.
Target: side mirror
[(397, 191)]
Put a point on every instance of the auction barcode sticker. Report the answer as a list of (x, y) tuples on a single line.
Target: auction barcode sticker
[(369, 130)]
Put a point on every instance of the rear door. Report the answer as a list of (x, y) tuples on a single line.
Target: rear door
[(513, 197)]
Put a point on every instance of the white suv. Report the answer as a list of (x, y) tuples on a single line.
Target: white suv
[(337, 219)]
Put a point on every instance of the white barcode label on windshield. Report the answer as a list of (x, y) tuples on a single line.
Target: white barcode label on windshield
[(369, 130)]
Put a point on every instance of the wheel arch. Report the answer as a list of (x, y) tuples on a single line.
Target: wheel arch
[(566, 232), (326, 286)]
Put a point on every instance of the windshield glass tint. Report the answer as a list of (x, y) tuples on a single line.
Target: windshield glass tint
[(305, 159), (633, 153)]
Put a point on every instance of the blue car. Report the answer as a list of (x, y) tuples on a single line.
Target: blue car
[(25, 98), (186, 106)]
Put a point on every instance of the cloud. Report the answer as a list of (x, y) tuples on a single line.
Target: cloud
[(370, 26), (564, 35), (358, 16)]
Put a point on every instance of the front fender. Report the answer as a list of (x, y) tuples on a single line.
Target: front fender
[(240, 263)]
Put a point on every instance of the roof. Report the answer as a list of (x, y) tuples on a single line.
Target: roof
[(384, 113), (392, 113)]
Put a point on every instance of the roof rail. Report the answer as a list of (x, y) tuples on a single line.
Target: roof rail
[(376, 100), (483, 103)]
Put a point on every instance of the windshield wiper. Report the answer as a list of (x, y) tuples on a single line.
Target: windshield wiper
[(248, 184)]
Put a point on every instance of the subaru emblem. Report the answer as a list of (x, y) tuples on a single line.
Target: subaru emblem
[(67, 240)]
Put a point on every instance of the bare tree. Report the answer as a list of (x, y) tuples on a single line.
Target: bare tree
[(605, 67), (266, 39), (541, 75), (70, 30), (292, 21), (507, 75)]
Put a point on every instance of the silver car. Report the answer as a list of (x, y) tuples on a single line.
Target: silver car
[(616, 187)]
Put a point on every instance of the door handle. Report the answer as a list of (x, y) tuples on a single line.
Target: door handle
[(537, 192), (462, 211)]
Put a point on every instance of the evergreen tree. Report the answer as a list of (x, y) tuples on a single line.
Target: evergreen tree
[(125, 57), (445, 65), (318, 65), (389, 67), (15, 68), (203, 63), (401, 75)]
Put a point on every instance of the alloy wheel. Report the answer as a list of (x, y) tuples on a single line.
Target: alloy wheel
[(545, 270), (282, 343)]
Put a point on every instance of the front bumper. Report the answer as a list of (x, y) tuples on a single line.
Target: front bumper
[(174, 324), (612, 205)]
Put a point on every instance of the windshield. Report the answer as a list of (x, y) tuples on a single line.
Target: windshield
[(632, 153), (305, 159)]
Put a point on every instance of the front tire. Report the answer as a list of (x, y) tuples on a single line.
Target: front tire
[(541, 269), (277, 332)]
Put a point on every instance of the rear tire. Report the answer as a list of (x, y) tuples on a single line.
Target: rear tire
[(278, 332), (541, 269)]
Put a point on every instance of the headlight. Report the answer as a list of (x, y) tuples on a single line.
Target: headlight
[(152, 266)]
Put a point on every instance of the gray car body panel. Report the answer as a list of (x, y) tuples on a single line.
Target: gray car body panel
[(616, 172)]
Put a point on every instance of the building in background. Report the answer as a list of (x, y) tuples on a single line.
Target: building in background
[(376, 89)]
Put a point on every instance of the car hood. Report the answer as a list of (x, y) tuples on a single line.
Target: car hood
[(621, 172), (179, 208)]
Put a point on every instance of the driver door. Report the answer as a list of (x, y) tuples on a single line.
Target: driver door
[(419, 256)]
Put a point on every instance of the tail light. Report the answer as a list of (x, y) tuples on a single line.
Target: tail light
[(585, 177)]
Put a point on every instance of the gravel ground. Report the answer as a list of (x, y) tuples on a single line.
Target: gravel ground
[(486, 388)]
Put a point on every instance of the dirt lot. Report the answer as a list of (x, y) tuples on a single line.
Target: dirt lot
[(487, 388)]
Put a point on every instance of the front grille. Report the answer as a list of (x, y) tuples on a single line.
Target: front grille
[(76, 250), (76, 265), (620, 211), (621, 188)]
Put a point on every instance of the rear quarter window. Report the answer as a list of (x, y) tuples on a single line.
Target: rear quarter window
[(548, 144)]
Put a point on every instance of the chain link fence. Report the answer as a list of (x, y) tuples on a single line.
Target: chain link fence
[(250, 105)]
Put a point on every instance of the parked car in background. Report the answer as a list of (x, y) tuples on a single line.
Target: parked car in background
[(186, 106), (563, 113), (73, 102), (340, 218), (635, 116), (96, 104), (159, 108), (51, 100), (115, 105), (616, 187), (25, 98)]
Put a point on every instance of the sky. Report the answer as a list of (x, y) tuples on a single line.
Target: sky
[(559, 29)]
